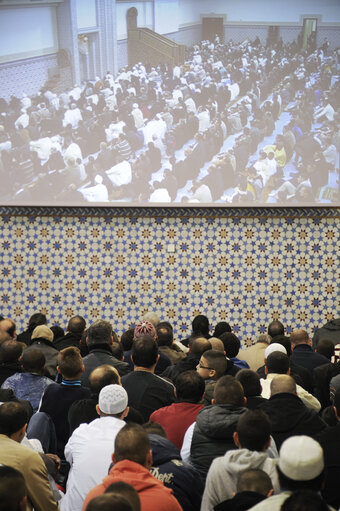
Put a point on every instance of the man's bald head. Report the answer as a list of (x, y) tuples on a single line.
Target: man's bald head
[(4, 336), (102, 376), (8, 326), (282, 383), (299, 337), (216, 344), (199, 345)]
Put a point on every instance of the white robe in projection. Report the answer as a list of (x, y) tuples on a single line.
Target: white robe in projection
[(120, 174), (97, 193), (155, 127), (72, 116)]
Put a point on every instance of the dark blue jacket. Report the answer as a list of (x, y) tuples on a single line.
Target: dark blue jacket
[(181, 478)]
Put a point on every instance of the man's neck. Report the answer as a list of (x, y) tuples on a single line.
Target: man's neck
[(146, 369)]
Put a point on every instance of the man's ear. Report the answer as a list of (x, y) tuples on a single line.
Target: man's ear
[(288, 372), (270, 493), (244, 401), (113, 457), (125, 413), (87, 341), (82, 368), (111, 340), (212, 373), (58, 369), (236, 440), (175, 392), (265, 369), (267, 444), (23, 504), (148, 462), (310, 342), (98, 409), (213, 401)]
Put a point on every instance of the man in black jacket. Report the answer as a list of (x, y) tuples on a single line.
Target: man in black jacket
[(303, 353), (99, 340), (287, 413), (75, 329)]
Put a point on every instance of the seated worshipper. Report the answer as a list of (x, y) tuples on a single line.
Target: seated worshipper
[(166, 344), (303, 353), (197, 347), (212, 433), (308, 500), (10, 353), (90, 446), (42, 339), (329, 439), (252, 437), (168, 467), (211, 367), (13, 492), (145, 327), (220, 328), (278, 363), (58, 397), (124, 490), (300, 467), (35, 320), (132, 458), (13, 423), (200, 328), (147, 392), (326, 348), (99, 339), (253, 486), (30, 384), (176, 418), (287, 413), (8, 325), (96, 193), (232, 347), (85, 410), (330, 330), (75, 328), (254, 355), (107, 502), (251, 384)]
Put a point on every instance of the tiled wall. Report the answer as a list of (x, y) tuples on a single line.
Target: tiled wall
[(246, 270)]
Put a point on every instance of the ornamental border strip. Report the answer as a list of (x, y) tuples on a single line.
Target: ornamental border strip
[(171, 212)]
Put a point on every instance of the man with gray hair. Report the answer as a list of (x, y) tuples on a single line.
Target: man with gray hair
[(99, 340), (90, 447), (287, 413)]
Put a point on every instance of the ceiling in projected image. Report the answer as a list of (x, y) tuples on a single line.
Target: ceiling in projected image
[(240, 121)]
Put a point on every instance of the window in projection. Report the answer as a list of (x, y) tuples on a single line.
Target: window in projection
[(251, 122)]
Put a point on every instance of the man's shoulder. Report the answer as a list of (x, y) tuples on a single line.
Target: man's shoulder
[(273, 503)]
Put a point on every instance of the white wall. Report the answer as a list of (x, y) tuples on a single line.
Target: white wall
[(27, 32), (166, 16), (86, 13), (259, 10)]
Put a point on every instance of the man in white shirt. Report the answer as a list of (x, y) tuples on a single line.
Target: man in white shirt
[(90, 447)]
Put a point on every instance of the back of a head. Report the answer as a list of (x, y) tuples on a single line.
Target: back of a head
[(282, 384), (326, 348), (250, 382), (10, 351), (102, 376), (35, 320), (221, 327), (153, 428), (165, 335), (189, 387), (152, 317), (228, 391), (200, 325), (264, 338), (216, 344), (299, 337), (144, 351), (127, 491), (126, 339), (8, 326), (231, 344), (4, 336), (76, 325), (13, 416), (70, 362), (12, 489), (108, 502), (275, 328), (132, 443), (253, 429), (216, 360), (304, 500), (117, 350), (254, 480), (277, 362), (33, 361), (284, 341), (199, 346), (99, 332)]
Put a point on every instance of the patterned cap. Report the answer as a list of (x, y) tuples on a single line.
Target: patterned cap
[(113, 399), (144, 328)]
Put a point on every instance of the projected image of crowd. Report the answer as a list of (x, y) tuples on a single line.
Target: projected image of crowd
[(237, 124)]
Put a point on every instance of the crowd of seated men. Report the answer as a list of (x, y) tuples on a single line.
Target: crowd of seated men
[(93, 421), (189, 133)]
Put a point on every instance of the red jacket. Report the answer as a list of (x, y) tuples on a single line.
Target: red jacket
[(154, 496), (176, 419)]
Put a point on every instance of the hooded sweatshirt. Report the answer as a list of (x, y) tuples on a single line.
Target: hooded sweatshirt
[(154, 496), (224, 472), (330, 330)]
